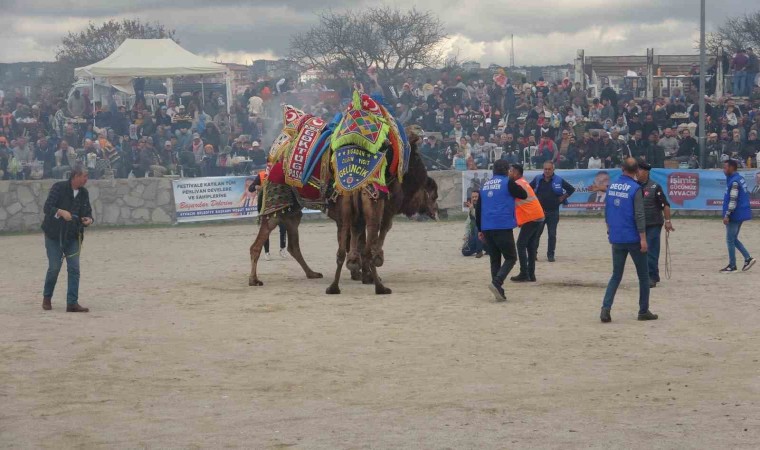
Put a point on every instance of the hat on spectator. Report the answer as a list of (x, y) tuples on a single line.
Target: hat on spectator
[(167, 143), (196, 136), (255, 144), (643, 165)]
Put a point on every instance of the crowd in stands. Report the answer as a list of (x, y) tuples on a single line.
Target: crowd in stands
[(187, 136), (471, 123), (468, 124)]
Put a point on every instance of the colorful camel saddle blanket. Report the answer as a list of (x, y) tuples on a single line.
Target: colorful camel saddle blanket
[(354, 168), (278, 198), (303, 148), (361, 126)]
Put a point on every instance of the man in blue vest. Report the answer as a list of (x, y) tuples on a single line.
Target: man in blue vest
[(626, 228), (551, 191), (736, 211), (495, 218)]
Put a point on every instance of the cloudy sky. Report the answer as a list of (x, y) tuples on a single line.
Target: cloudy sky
[(546, 32)]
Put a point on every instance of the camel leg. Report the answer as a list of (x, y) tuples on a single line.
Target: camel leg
[(356, 274), (366, 274), (373, 214), (356, 230), (385, 227), (343, 221), (267, 225), (291, 226)]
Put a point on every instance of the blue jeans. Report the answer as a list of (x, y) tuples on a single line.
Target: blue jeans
[(551, 220), (653, 255), (733, 243), (473, 246), (620, 253), (55, 255), (738, 83)]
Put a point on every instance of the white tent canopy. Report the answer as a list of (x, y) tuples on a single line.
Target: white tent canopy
[(149, 58)]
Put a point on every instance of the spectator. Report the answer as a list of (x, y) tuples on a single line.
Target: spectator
[(480, 152), (739, 66), (669, 144), (688, 149)]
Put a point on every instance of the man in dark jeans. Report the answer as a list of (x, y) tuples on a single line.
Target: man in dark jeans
[(67, 211), (655, 205), (551, 191), (530, 219), (626, 228), (495, 218)]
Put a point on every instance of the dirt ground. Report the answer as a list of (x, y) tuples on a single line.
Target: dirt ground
[(178, 351)]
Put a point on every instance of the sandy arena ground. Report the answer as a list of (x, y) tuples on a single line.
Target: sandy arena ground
[(178, 351)]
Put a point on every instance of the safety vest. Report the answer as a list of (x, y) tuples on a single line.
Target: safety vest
[(497, 206), (528, 210), (619, 211), (262, 176), (743, 209)]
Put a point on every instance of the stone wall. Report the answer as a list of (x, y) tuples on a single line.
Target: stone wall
[(141, 201), (115, 202)]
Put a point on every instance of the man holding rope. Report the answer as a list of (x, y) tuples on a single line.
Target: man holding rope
[(67, 211), (655, 206)]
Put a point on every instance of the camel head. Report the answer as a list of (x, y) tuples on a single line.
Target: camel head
[(427, 202), (420, 192)]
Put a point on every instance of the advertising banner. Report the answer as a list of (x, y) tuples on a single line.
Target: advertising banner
[(215, 198), (696, 190)]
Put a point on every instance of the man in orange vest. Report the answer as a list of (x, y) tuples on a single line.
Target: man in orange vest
[(530, 219)]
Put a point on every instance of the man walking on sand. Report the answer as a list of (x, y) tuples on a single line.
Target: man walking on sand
[(736, 211), (495, 219), (626, 228)]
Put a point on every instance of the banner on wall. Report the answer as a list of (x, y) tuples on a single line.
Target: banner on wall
[(696, 190), (215, 198)]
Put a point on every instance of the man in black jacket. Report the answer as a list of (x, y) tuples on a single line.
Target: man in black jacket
[(67, 211)]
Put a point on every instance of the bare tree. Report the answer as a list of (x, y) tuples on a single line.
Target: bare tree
[(98, 41), (735, 33), (391, 39)]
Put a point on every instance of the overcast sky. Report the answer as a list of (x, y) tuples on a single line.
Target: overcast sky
[(546, 32)]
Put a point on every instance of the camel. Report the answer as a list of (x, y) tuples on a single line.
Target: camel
[(412, 196), (364, 221)]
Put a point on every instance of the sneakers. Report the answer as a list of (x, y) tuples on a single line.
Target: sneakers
[(550, 258), (283, 253), (46, 303), (479, 255), (522, 278), (728, 269), (267, 257), (648, 316), (498, 292), (748, 264), (652, 283)]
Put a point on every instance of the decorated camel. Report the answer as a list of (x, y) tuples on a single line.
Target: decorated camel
[(361, 168)]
